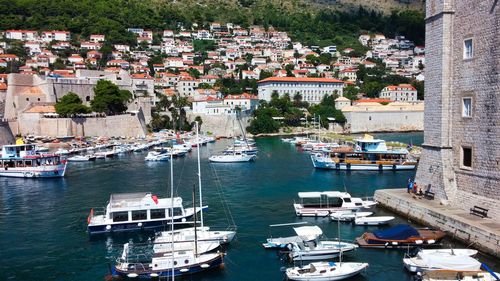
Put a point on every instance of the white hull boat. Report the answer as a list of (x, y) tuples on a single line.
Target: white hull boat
[(322, 204), (304, 234), (320, 250), (348, 215), (373, 220), (456, 252), (202, 234), (231, 158), (463, 275), (81, 158), (325, 271), (157, 156), (166, 247), (426, 261)]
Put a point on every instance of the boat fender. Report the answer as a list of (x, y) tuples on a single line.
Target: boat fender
[(418, 242), (431, 241), (153, 275), (394, 243), (183, 219), (108, 227), (139, 224), (386, 244)]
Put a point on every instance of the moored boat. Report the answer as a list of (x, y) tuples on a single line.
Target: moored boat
[(349, 215), (400, 236), (314, 204), (319, 249), (325, 271), (138, 211), (22, 161), (232, 158), (425, 261), (81, 158), (304, 234), (373, 220)]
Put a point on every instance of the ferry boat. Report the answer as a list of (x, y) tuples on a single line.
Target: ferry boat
[(22, 161), (138, 211), (369, 154), (313, 204)]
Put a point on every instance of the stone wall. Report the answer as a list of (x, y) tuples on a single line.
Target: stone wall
[(396, 121), (221, 125), (121, 125), (6, 136)]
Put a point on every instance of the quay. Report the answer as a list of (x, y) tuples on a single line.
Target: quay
[(480, 233)]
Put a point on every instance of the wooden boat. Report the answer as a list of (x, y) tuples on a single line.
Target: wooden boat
[(400, 236), (325, 271), (373, 220)]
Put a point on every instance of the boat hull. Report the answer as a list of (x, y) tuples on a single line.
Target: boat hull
[(328, 164), (55, 171), (137, 226)]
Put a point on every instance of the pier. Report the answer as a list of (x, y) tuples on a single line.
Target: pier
[(480, 233)]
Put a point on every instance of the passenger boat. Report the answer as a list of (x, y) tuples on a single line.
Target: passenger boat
[(325, 271), (313, 204), (167, 264), (369, 154), (440, 260), (400, 236), (373, 220), (348, 215), (304, 234), (138, 211), (22, 161)]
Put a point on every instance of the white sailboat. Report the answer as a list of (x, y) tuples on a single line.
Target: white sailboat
[(235, 156), (373, 220), (304, 234)]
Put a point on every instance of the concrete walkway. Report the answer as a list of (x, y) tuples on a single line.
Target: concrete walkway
[(483, 233)]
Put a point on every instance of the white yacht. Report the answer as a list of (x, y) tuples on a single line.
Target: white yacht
[(325, 271), (138, 211), (304, 234), (314, 204), (157, 156), (235, 157)]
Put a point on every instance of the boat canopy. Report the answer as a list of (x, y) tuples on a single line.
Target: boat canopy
[(140, 200), (325, 193), (310, 232), (398, 232), (451, 262)]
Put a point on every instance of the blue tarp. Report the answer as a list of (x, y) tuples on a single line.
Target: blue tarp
[(399, 232)]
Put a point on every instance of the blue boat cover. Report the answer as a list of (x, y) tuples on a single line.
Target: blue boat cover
[(399, 232)]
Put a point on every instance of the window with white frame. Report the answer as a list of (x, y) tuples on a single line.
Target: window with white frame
[(467, 107), (468, 49), (466, 157)]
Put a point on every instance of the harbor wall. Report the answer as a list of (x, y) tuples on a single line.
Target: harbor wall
[(221, 125), (397, 121), (126, 125), (458, 224), (6, 136)]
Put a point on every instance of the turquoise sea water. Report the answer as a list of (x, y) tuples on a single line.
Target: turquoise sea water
[(43, 222)]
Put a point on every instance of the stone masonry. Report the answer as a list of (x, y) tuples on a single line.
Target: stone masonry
[(450, 77)]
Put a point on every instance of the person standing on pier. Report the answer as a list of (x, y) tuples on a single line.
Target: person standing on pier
[(410, 185)]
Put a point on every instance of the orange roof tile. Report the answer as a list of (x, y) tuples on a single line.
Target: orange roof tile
[(41, 109)]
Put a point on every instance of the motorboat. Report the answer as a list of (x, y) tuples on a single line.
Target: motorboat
[(452, 275), (304, 234), (22, 161), (175, 263), (104, 154), (425, 261), (451, 251), (81, 158), (314, 204), (138, 211), (325, 271), (373, 220), (235, 157), (202, 234), (348, 215), (401, 236), (157, 156), (160, 248), (368, 154), (319, 249)]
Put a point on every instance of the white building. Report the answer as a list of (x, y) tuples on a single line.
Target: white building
[(187, 87), (212, 105), (25, 35), (312, 90), (55, 35), (402, 92)]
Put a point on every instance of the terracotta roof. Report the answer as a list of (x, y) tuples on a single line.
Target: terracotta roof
[(242, 96), (3, 87), (41, 109), (33, 91), (301, 80), (373, 100)]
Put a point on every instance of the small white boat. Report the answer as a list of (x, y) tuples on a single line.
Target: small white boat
[(451, 275), (325, 271), (62, 151), (456, 252), (81, 158), (232, 158), (348, 215), (319, 249), (105, 154), (323, 203), (440, 261), (373, 220), (160, 248), (304, 234), (157, 156), (202, 234)]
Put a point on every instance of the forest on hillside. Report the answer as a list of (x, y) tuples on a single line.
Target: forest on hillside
[(306, 23)]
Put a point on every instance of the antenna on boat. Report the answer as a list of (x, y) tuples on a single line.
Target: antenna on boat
[(172, 211), (199, 175)]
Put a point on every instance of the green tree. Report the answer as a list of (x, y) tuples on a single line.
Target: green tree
[(71, 104), (109, 98)]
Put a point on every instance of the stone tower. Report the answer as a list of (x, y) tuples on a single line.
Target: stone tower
[(461, 152)]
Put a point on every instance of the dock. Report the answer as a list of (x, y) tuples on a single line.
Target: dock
[(480, 233)]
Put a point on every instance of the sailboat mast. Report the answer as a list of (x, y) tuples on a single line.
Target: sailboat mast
[(340, 245), (195, 218), (172, 211), (199, 175)]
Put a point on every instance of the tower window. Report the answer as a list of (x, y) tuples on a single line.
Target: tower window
[(466, 157), (467, 107), (468, 49)]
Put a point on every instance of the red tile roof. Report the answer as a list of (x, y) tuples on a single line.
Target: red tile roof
[(301, 80)]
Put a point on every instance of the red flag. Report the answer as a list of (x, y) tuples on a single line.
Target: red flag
[(155, 198)]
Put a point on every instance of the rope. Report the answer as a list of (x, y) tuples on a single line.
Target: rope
[(225, 205)]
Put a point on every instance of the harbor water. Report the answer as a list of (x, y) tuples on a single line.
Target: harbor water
[(43, 222)]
